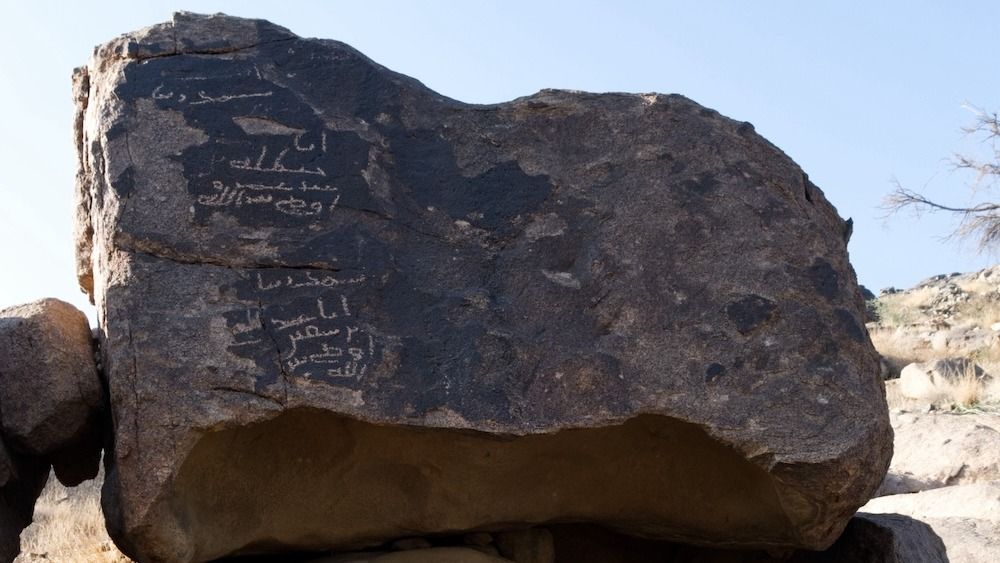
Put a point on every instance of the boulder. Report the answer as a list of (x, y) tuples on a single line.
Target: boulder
[(931, 380), (339, 308), (868, 538), (966, 517), (934, 450), (50, 391)]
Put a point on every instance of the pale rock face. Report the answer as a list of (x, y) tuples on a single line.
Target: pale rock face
[(927, 380), (934, 450), (966, 517), (338, 307)]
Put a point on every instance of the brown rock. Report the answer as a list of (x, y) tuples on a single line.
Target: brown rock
[(430, 555), (868, 538), (533, 545), (50, 392), (974, 500), (336, 298)]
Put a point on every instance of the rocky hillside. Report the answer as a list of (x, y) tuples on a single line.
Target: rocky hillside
[(939, 341), (954, 315)]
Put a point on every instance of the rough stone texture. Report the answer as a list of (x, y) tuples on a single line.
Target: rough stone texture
[(526, 546), (430, 555), (934, 450), (868, 538), (969, 540), (339, 308), (974, 500), (25, 482), (50, 391), (967, 517)]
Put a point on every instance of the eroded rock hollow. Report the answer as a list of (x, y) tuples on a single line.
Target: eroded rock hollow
[(338, 307)]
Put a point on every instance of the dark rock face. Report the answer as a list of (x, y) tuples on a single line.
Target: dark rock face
[(315, 276), (50, 408), (868, 538)]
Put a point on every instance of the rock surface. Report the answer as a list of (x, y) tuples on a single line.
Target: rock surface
[(868, 538), (974, 500), (927, 379), (339, 308), (50, 408), (934, 450), (50, 391), (966, 517)]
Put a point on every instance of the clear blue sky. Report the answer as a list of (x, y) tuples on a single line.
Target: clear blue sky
[(856, 92)]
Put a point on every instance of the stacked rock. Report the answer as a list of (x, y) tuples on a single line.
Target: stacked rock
[(50, 408)]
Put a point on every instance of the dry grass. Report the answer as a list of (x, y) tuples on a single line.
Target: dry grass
[(969, 391), (69, 527), (899, 348), (966, 391)]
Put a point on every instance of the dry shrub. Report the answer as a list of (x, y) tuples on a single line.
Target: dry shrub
[(966, 391), (900, 349), (69, 527)]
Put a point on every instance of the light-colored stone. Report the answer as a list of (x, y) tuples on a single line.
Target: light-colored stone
[(969, 540), (928, 380), (975, 500), (938, 449), (527, 546)]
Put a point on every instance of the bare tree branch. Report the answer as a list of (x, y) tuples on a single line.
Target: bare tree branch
[(980, 221)]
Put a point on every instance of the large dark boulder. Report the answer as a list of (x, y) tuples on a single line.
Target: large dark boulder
[(339, 308)]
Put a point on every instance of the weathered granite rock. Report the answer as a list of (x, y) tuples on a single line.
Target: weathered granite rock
[(339, 308), (50, 391)]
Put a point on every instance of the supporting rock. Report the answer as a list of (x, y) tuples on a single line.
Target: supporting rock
[(50, 408)]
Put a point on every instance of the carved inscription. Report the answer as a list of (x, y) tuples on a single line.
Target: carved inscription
[(309, 319), (269, 159)]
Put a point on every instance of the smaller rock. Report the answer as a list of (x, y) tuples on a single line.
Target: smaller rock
[(868, 538), (17, 502), (969, 540), (527, 546), (882, 538), (480, 539), (404, 544), (941, 449), (429, 555), (50, 391), (928, 380), (975, 500)]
